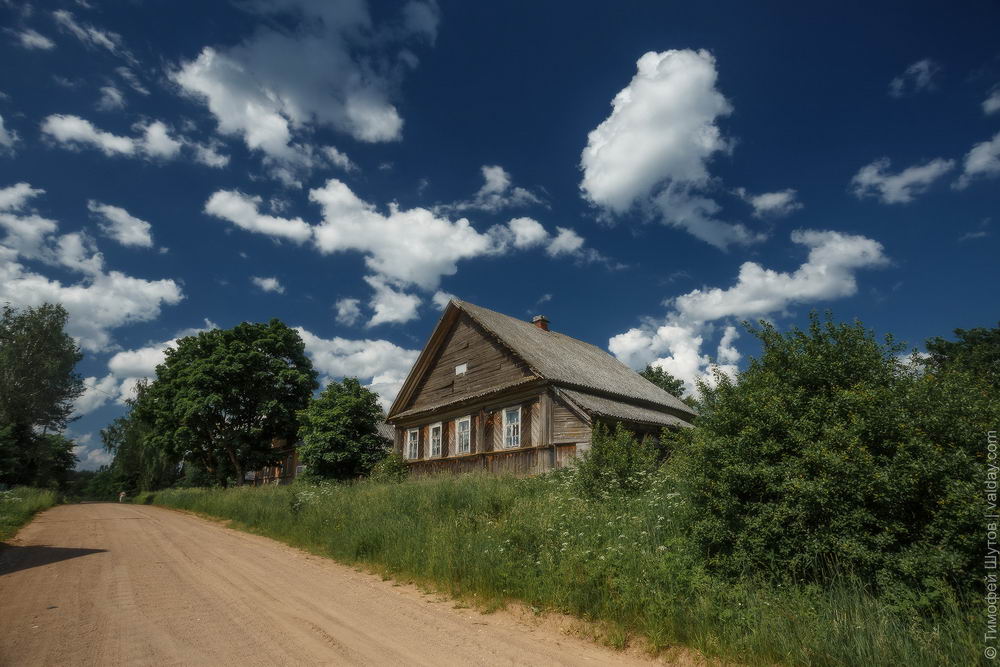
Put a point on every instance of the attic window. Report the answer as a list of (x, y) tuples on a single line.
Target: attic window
[(461, 369)]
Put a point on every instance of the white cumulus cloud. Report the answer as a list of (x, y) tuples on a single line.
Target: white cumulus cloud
[(268, 284), (122, 226), (382, 365), (7, 139), (100, 301), (32, 39), (675, 342), (982, 161), (308, 64), (875, 180), (348, 311), (653, 151), (918, 77), (771, 204)]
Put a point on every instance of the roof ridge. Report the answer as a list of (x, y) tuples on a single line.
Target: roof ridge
[(561, 358)]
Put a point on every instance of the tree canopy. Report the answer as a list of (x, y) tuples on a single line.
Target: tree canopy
[(222, 396), (37, 383), (829, 450), (38, 388), (339, 432), (976, 351)]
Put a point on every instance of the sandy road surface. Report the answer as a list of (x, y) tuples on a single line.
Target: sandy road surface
[(110, 584)]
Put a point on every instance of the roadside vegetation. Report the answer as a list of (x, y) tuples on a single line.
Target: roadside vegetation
[(823, 511), (19, 504)]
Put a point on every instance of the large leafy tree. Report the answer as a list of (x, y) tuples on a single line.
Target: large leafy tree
[(339, 432), (828, 449), (976, 351), (38, 387), (138, 464), (37, 358), (222, 396)]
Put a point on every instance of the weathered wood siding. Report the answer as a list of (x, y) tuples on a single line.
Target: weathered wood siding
[(489, 365), (519, 462), (566, 425)]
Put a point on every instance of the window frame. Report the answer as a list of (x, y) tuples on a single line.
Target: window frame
[(430, 440), (409, 442), (506, 424), (458, 435)]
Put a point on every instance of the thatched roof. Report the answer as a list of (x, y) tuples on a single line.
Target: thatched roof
[(592, 379), (568, 361)]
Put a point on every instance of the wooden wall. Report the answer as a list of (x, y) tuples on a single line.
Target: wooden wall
[(550, 435), (489, 365), (567, 426), (520, 462)]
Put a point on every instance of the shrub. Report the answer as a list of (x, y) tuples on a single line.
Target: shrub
[(617, 461), (829, 452), (391, 469)]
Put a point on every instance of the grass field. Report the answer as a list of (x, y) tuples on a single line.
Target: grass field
[(18, 505), (621, 561)]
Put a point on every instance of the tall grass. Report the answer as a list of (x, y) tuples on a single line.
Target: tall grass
[(19, 504), (621, 560)]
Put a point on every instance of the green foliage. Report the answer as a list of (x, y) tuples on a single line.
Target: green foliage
[(391, 469), (139, 464), (19, 504), (37, 358), (664, 380), (37, 391), (339, 432), (222, 396), (27, 457), (617, 461), (621, 561), (827, 452), (977, 351)]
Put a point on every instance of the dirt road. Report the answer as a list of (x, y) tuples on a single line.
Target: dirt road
[(110, 584)]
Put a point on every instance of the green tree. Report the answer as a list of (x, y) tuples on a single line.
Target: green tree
[(37, 358), (828, 449), (664, 380), (222, 396), (976, 351), (38, 387), (138, 464), (339, 432)]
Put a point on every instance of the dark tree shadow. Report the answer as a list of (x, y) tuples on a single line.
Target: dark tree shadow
[(15, 558)]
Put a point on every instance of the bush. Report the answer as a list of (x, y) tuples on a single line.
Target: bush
[(617, 461), (829, 453), (391, 469), (19, 504)]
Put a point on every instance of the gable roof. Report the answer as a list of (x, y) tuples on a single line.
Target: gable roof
[(555, 357)]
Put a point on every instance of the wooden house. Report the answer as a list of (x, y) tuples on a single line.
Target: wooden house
[(492, 392)]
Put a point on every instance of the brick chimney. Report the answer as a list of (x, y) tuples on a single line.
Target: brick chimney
[(541, 322)]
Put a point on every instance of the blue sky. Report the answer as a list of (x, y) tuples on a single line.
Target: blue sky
[(645, 178)]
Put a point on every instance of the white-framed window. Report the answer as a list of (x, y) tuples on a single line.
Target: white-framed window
[(413, 443), (463, 435), (435, 432), (461, 369), (512, 427)]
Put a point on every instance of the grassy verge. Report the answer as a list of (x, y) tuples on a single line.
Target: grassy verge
[(620, 561), (18, 505)]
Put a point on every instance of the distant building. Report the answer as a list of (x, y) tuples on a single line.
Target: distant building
[(492, 392)]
